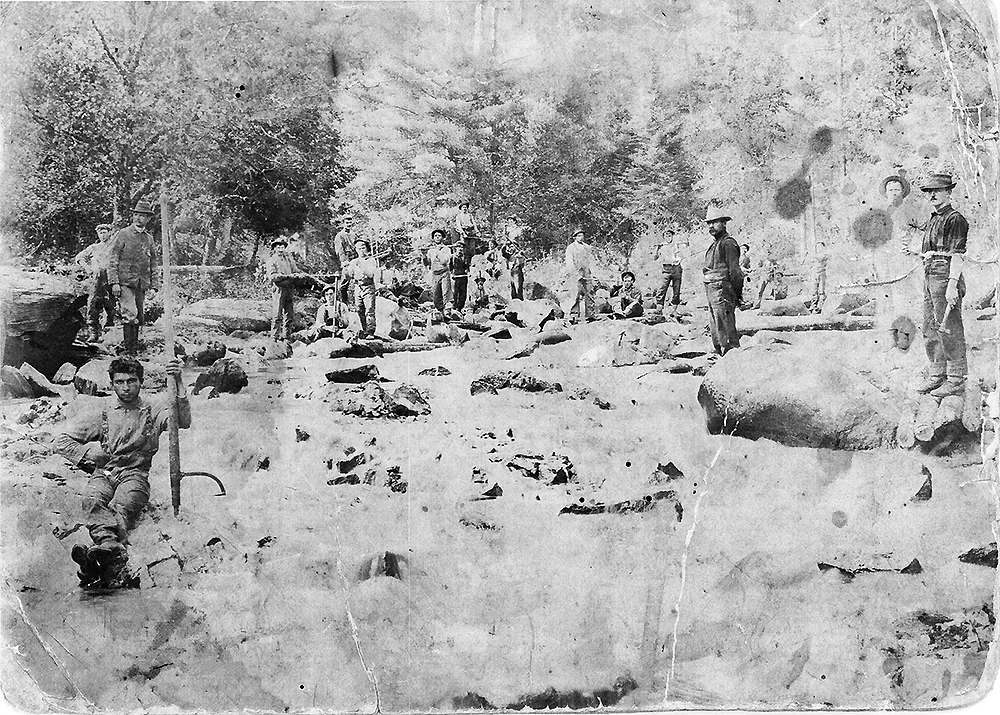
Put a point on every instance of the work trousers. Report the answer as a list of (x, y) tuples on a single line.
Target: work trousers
[(819, 290), (946, 348), (581, 299), (460, 285), (632, 311), (112, 502), (364, 303), (671, 281), (441, 289), (100, 300), (517, 282), (130, 304), (722, 315), (281, 310)]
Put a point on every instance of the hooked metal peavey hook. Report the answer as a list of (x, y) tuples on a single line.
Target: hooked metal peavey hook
[(222, 487)]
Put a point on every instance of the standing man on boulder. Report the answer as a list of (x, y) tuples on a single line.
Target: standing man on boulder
[(579, 259), (438, 259), (94, 259), (723, 282), (943, 251), (281, 270), (130, 272), (668, 255), (465, 224), (115, 442), (364, 271)]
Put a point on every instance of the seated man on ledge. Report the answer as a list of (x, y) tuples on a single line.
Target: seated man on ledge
[(115, 442)]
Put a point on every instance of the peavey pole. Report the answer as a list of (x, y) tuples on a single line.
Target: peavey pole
[(168, 346)]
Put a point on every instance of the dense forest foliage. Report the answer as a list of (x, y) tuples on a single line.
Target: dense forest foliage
[(259, 119)]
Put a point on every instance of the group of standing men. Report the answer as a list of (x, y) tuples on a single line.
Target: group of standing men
[(121, 273)]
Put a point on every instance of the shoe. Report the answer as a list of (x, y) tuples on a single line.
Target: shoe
[(930, 383), (88, 573), (951, 386)]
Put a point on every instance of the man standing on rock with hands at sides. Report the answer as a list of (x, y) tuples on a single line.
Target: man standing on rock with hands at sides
[(723, 282), (465, 224), (579, 259), (943, 252), (115, 442), (364, 270), (669, 258), (438, 259), (130, 272), (94, 260)]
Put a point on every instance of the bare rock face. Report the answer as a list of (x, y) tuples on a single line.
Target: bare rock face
[(210, 353), (232, 313), (798, 396)]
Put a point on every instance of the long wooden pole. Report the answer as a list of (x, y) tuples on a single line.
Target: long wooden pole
[(168, 346)]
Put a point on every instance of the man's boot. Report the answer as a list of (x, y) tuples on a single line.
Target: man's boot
[(930, 383), (108, 558), (95, 332), (951, 386), (89, 572)]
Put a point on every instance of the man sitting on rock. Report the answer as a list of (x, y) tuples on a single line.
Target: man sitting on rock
[(115, 442), (628, 298), (329, 317)]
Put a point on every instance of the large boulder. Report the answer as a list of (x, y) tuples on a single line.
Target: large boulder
[(844, 303), (225, 375), (795, 305), (532, 313), (232, 313), (798, 396), (391, 320)]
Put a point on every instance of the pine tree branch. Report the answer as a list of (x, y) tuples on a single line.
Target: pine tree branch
[(110, 55)]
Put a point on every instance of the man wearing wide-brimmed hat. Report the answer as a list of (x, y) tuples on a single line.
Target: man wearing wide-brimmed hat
[(131, 260), (723, 282), (943, 251), (281, 272)]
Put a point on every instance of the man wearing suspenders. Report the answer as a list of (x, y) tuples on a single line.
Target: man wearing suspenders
[(943, 251), (115, 442)]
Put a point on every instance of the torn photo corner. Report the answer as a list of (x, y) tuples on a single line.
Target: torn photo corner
[(499, 355)]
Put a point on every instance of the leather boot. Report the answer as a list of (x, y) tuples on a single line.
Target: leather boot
[(951, 386), (930, 383), (95, 333)]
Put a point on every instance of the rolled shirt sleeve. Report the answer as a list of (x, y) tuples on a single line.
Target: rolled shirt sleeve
[(956, 233), (78, 432)]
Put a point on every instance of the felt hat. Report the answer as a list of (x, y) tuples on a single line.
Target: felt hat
[(714, 213), (328, 287), (279, 240), (437, 231), (364, 241), (937, 181), (143, 207), (578, 232), (628, 273), (899, 180)]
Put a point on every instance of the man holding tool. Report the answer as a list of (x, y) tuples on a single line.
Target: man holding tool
[(943, 251)]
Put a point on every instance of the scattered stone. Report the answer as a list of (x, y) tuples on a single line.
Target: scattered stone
[(264, 464), (494, 492), (499, 333), (848, 575), (673, 366), (15, 386), (575, 700), (926, 490), (439, 371), (602, 404), (225, 375), (40, 385), (552, 470), (353, 461), (795, 305), (553, 336), (842, 304), (494, 382), (386, 563), (209, 354), (665, 473), (354, 375), (632, 506), (93, 378), (903, 332), (446, 334), (358, 349), (395, 480), (301, 435), (65, 374), (373, 401), (981, 556), (266, 541), (474, 522), (346, 479)]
